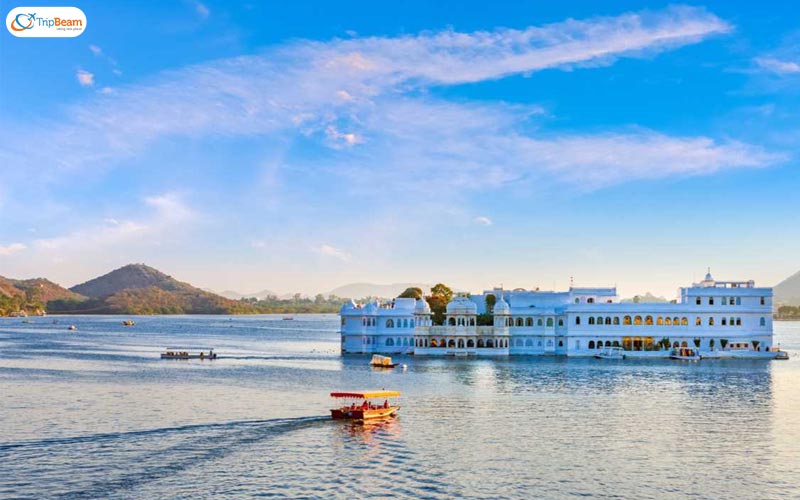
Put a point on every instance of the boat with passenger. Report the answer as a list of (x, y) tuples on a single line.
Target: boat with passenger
[(182, 353), (362, 407), (128, 322), (685, 353), (379, 361), (611, 353)]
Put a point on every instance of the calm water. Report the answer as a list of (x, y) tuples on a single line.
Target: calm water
[(96, 414)]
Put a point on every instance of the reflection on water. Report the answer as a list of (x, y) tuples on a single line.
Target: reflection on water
[(96, 414)]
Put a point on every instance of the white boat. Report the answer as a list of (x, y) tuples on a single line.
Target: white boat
[(781, 355), (611, 353), (379, 361), (685, 353)]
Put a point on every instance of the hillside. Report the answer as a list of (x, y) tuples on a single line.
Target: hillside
[(788, 290), (359, 290), (646, 298), (141, 289), (234, 295), (30, 295)]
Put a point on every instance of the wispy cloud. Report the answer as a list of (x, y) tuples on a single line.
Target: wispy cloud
[(85, 78), (11, 249), (483, 221), (202, 9), (331, 251), (777, 66)]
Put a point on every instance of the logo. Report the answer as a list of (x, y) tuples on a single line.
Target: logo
[(27, 22)]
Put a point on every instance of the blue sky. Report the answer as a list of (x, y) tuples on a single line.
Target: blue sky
[(297, 146)]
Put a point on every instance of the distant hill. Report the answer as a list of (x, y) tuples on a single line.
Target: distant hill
[(31, 295), (647, 297), (141, 289), (361, 290), (788, 291)]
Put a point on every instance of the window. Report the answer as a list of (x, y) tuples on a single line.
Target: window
[(616, 320), (577, 300), (697, 301), (648, 321), (539, 322), (732, 301), (591, 344), (519, 321), (390, 342), (763, 321), (660, 321), (560, 322), (711, 301), (710, 321), (591, 320), (626, 320), (637, 320), (608, 320), (451, 322), (738, 321), (763, 301), (560, 343), (724, 322), (590, 300), (528, 321), (577, 320), (599, 320), (698, 321), (675, 321), (732, 322), (390, 323), (684, 321), (549, 321)]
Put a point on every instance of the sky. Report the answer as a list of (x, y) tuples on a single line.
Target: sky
[(299, 146)]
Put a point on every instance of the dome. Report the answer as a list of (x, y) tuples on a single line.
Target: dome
[(461, 305), (501, 307), (422, 307)]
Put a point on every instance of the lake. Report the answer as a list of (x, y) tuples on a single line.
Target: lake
[(96, 414)]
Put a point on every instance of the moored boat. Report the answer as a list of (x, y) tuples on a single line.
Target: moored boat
[(179, 353), (379, 361), (611, 353), (685, 353), (362, 408)]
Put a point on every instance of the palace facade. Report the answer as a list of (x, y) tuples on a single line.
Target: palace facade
[(719, 318)]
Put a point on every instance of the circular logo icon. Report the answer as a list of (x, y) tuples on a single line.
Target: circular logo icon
[(25, 23)]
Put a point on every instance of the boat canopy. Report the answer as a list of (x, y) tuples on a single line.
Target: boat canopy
[(366, 395)]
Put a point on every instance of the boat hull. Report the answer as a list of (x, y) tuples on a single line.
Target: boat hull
[(358, 414), (190, 356)]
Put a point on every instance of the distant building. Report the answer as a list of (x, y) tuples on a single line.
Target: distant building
[(726, 318)]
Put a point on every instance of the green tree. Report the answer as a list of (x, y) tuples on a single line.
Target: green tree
[(411, 293), (485, 319), (438, 304), (491, 300), (443, 290)]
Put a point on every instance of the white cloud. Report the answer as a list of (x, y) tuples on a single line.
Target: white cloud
[(331, 251), (96, 50), (365, 92), (483, 221), (85, 78), (11, 249), (777, 66)]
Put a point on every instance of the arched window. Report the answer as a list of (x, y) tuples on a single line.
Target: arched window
[(577, 300), (460, 343), (472, 322), (698, 321), (738, 321), (591, 344), (451, 343), (710, 321), (390, 342), (577, 320), (684, 321), (560, 322), (648, 320), (560, 343), (490, 344), (675, 320), (480, 343), (683, 344), (697, 301), (590, 300), (539, 322), (637, 320), (675, 344), (608, 320), (528, 321), (519, 321), (710, 302), (470, 343), (667, 321), (763, 321), (626, 320), (660, 321), (389, 323), (616, 320), (451, 322), (549, 321), (599, 320), (608, 343), (434, 343), (509, 322), (591, 320)]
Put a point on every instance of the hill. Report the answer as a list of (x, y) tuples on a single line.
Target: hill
[(234, 295), (141, 289), (31, 295), (647, 297), (359, 290), (788, 290)]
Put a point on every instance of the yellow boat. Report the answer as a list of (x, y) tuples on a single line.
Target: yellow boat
[(366, 410), (379, 361)]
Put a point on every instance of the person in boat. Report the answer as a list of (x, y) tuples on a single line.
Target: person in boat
[(385, 403)]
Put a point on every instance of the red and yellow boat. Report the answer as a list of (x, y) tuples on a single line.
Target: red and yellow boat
[(362, 407)]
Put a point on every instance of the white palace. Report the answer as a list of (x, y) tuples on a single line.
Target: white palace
[(719, 318)]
